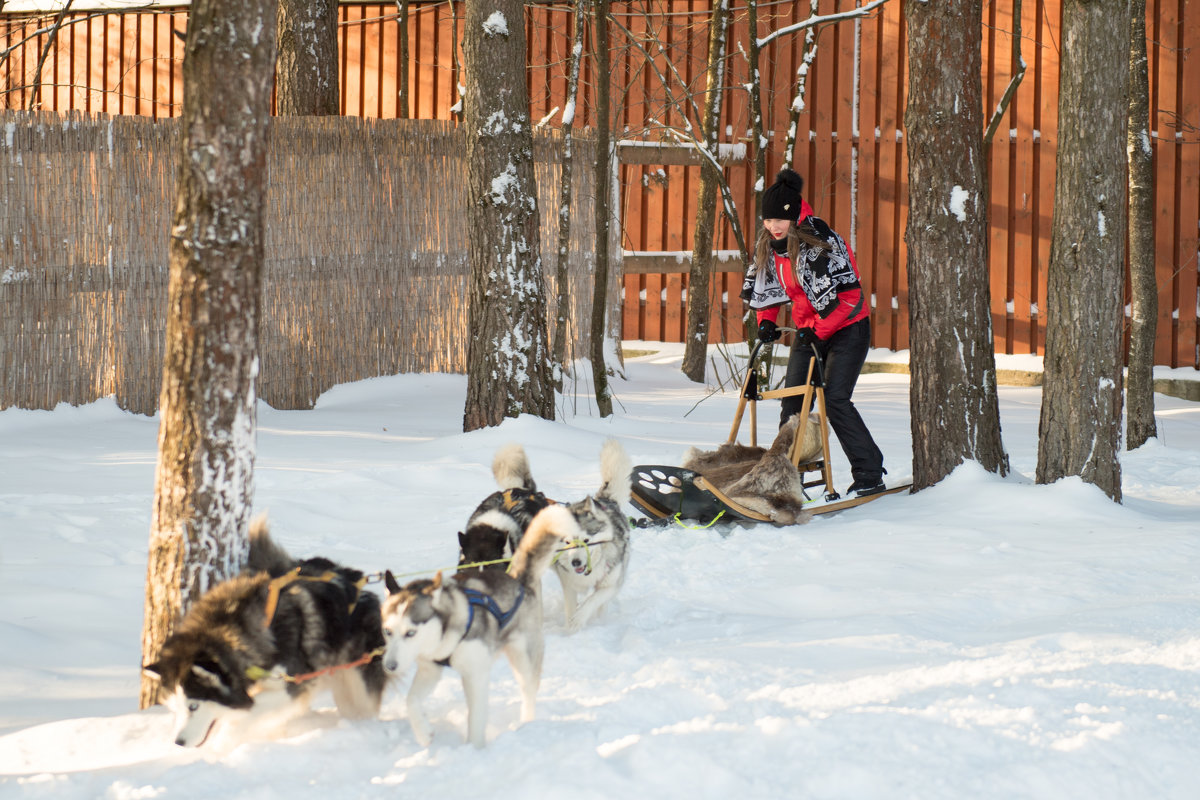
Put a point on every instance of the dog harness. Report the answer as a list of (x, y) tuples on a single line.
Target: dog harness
[(276, 585), (489, 604)]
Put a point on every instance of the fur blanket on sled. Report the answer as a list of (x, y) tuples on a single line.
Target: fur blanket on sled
[(762, 480)]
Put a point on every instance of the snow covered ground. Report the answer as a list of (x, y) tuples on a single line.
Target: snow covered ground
[(987, 638)]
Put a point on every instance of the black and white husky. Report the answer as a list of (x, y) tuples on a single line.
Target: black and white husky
[(466, 621), (596, 567), (496, 526), (250, 653)]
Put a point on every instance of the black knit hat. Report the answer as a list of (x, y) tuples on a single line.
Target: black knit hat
[(781, 200)]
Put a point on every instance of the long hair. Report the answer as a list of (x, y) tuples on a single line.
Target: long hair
[(797, 235)]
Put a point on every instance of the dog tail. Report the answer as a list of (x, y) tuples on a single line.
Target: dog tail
[(511, 468), (265, 555), (615, 469), (552, 529)]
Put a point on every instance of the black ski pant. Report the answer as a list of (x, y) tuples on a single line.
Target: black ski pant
[(843, 355)]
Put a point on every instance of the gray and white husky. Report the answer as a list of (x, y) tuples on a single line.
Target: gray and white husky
[(249, 654), (596, 567), (466, 621)]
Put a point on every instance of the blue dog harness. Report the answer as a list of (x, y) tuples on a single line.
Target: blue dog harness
[(489, 604)]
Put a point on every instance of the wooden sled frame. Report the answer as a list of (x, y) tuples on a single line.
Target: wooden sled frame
[(669, 493), (814, 398)]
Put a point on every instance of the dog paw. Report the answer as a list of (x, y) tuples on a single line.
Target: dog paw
[(423, 735)]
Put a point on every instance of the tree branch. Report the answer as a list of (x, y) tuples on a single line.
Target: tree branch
[(817, 19), (1011, 90), (53, 36)]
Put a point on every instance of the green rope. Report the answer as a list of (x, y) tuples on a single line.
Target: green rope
[(720, 514), (576, 543), (573, 544)]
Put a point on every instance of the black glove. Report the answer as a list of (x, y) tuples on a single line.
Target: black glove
[(768, 331), (806, 337)]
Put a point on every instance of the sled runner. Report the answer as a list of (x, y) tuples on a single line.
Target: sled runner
[(668, 493)]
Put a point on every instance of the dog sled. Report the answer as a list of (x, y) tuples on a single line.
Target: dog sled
[(749, 484)]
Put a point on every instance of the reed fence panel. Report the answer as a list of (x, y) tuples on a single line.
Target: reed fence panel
[(365, 268)]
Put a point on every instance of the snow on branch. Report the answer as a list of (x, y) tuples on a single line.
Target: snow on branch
[(817, 19)]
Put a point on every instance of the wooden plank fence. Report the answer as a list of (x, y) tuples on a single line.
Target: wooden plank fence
[(851, 133), (365, 273)]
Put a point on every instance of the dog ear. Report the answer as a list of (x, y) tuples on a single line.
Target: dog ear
[(437, 583), (389, 580), (208, 675), (153, 670), (462, 540)]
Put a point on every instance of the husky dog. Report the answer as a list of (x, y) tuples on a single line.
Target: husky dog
[(466, 621), (250, 652), (496, 526), (596, 567)]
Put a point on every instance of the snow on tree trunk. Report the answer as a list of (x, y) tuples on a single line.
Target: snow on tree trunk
[(566, 189), (955, 409), (1140, 425), (508, 358), (760, 141), (308, 58), (1080, 426), (699, 310), (204, 480), (603, 209)]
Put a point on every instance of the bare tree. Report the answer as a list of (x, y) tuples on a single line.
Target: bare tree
[(566, 189), (508, 357), (204, 481), (603, 207), (402, 93), (308, 58), (695, 353), (1018, 75), (51, 42), (955, 409), (757, 129), (1140, 426), (809, 27), (1080, 426)]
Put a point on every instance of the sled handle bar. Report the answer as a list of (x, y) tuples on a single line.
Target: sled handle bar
[(814, 403), (758, 345)]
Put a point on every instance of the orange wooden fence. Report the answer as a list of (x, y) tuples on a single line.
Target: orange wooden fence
[(851, 132)]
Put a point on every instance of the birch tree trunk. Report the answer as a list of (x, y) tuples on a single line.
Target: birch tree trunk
[(955, 409), (1139, 416), (508, 357), (204, 480), (1080, 426), (699, 306), (308, 58)]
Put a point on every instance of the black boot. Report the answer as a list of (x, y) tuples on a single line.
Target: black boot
[(865, 486)]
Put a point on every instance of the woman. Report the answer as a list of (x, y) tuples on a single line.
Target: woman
[(799, 259)]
